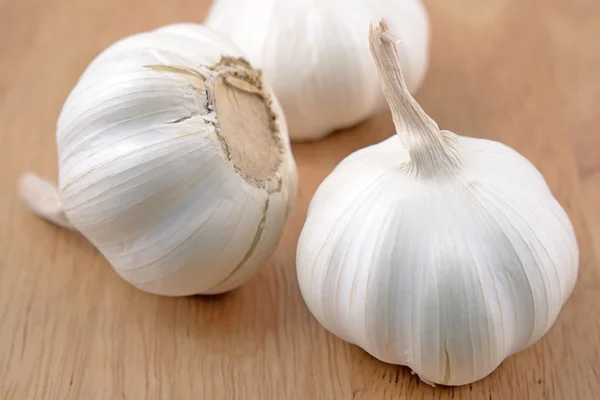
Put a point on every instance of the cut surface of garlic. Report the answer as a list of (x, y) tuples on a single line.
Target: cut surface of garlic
[(440, 252), (316, 54), (174, 161)]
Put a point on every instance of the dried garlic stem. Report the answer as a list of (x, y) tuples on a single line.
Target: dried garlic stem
[(41, 196), (420, 135)]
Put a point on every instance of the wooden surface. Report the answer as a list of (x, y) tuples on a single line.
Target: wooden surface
[(524, 72)]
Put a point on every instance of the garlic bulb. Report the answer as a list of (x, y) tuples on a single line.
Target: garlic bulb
[(316, 54), (174, 162), (440, 252)]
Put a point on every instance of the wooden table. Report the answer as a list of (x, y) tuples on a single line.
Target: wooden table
[(522, 72)]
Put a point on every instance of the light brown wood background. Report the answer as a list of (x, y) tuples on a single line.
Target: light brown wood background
[(524, 72)]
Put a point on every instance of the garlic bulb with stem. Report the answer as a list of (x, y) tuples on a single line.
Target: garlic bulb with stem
[(443, 253), (316, 57), (174, 162)]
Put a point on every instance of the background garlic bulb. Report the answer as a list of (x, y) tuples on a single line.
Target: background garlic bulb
[(174, 161), (316, 54), (443, 253)]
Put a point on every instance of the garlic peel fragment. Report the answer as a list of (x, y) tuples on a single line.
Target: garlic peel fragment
[(440, 252), (174, 161)]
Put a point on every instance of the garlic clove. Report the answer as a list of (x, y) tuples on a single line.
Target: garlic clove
[(440, 252), (174, 161), (317, 57)]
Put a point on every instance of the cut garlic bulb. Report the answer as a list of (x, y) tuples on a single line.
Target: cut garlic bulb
[(316, 54), (440, 252), (174, 162)]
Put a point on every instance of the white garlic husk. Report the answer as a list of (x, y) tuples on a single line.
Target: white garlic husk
[(316, 54), (174, 162), (443, 253)]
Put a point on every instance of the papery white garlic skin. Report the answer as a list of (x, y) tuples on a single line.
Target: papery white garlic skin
[(447, 267), (163, 167), (316, 54)]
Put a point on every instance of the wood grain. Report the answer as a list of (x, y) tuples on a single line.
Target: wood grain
[(523, 72)]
